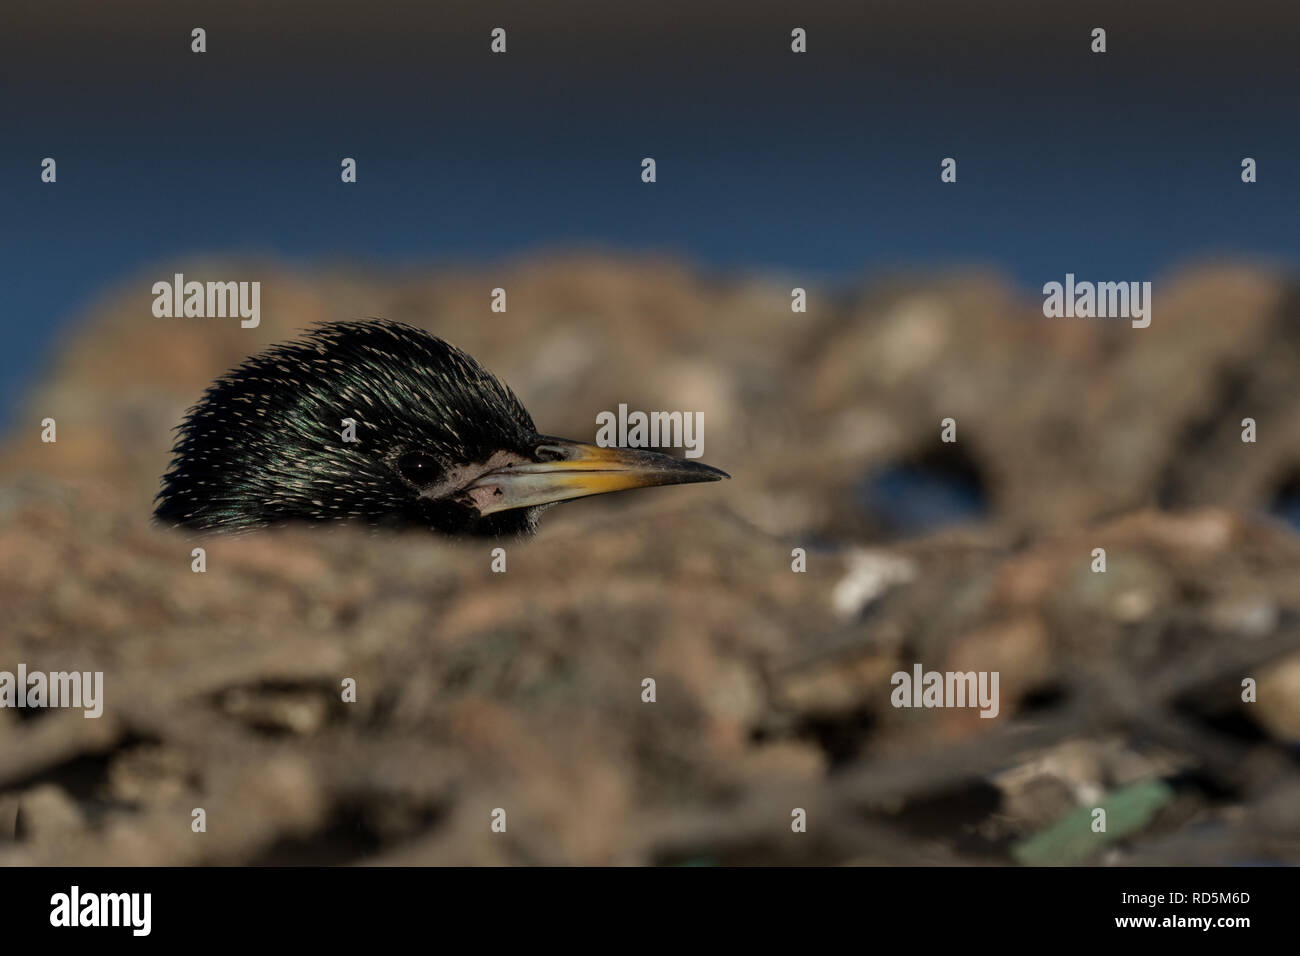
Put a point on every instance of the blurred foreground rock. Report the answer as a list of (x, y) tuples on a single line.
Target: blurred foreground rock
[(523, 691)]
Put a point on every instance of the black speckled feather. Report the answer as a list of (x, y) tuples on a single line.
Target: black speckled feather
[(264, 445)]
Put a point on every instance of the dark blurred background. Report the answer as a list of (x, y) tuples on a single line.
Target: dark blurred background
[(824, 165)]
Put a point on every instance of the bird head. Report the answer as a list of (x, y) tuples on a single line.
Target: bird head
[(383, 423)]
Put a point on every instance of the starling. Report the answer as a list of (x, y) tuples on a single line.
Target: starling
[(436, 442)]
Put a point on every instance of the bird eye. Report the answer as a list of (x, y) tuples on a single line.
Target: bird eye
[(548, 453), (417, 468)]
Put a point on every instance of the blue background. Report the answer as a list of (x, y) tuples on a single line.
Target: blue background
[(825, 166)]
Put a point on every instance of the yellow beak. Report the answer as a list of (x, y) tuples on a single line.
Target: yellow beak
[(578, 470)]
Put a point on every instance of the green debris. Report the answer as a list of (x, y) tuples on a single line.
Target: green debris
[(1071, 838)]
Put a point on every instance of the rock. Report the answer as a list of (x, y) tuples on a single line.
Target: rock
[(525, 690), (1277, 706), (47, 814)]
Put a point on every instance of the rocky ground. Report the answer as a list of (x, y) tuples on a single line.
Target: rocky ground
[(523, 691)]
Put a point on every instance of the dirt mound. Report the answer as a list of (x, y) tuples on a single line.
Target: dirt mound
[(524, 692)]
